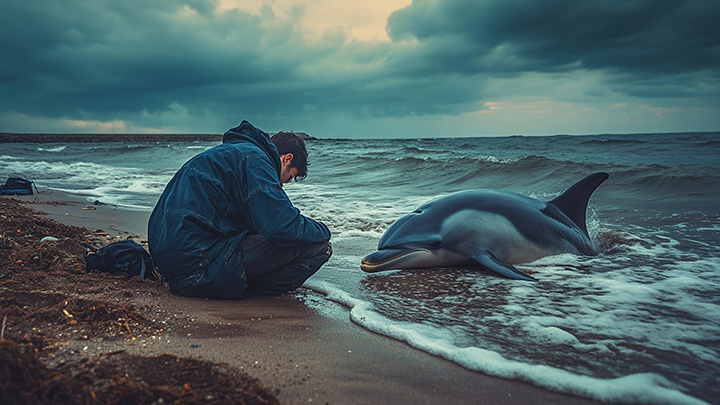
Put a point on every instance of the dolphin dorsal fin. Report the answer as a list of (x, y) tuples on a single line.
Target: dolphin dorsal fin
[(573, 202)]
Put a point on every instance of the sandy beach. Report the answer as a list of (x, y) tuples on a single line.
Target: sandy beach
[(295, 352)]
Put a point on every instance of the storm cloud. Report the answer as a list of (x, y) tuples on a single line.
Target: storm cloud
[(656, 36), (170, 65)]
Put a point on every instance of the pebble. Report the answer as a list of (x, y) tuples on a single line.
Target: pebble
[(49, 239)]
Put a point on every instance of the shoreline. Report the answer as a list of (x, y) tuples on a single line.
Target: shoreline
[(304, 355)]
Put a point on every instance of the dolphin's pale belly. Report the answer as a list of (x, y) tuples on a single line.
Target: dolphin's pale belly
[(527, 255), (470, 231)]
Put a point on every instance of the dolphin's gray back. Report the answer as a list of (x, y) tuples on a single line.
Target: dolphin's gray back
[(551, 226), (527, 215)]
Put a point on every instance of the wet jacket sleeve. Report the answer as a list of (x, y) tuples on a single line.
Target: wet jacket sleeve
[(272, 213)]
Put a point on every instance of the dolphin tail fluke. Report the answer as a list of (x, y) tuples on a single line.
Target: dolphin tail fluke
[(508, 270), (573, 202)]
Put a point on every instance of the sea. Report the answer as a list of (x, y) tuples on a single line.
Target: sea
[(640, 323)]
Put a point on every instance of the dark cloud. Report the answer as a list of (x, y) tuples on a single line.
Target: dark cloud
[(645, 36), (76, 57), (130, 55), (153, 62)]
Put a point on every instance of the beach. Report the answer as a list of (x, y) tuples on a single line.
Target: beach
[(297, 353)]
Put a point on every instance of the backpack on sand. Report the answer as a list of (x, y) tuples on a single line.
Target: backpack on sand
[(125, 256), (17, 186)]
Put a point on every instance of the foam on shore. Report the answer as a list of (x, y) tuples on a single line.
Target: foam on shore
[(645, 388)]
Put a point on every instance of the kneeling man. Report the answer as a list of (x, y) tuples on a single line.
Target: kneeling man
[(224, 228)]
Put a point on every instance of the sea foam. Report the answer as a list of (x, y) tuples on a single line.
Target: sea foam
[(646, 388)]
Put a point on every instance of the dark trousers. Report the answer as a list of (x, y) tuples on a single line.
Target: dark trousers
[(274, 270)]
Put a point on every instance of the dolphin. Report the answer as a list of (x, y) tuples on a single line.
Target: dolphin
[(491, 227)]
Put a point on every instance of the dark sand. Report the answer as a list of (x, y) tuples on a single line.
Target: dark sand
[(301, 355)]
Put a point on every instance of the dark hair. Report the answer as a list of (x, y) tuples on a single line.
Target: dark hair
[(289, 142)]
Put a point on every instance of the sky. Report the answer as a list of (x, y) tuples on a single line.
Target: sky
[(360, 69)]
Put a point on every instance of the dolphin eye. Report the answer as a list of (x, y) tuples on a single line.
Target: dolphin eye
[(417, 212), (437, 244)]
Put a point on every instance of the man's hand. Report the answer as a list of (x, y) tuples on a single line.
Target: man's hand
[(329, 252)]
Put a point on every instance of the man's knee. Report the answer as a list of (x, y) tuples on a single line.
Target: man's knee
[(294, 274), (320, 250), (327, 250), (324, 254), (313, 258)]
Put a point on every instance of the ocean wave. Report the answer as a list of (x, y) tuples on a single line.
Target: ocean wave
[(653, 182), (412, 160), (141, 149), (614, 141), (118, 185), (128, 201), (665, 182), (637, 388), (530, 161), (415, 149), (54, 150), (406, 175), (519, 172)]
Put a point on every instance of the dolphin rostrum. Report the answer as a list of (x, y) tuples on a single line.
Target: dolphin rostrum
[(493, 228)]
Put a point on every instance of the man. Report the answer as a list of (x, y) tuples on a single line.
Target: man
[(224, 228)]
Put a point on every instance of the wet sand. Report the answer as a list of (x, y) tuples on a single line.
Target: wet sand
[(304, 356)]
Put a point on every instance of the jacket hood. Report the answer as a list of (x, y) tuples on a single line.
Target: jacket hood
[(247, 132)]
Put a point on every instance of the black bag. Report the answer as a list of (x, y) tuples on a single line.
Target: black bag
[(17, 186), (125, 256)]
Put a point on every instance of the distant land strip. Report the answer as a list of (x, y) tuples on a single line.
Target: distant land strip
[(7, 137)]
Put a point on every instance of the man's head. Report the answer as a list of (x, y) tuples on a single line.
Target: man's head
[(293, 156)]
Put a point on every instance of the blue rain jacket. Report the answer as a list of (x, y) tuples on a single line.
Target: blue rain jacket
[(212, 202)]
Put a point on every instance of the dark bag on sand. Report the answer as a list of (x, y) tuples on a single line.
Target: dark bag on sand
[(17, 186), (125, 256)]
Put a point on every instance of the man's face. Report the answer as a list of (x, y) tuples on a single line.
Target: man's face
[(287, 173)]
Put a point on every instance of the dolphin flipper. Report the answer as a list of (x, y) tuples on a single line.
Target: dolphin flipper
[(489, 261)]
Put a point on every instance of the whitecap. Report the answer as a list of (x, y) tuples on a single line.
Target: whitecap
[(55, 149)]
